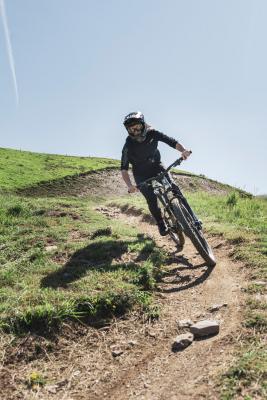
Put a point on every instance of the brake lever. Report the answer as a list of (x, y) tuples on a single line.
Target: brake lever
[(178, 162)]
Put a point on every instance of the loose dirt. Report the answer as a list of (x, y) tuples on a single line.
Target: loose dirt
[(130, 358)]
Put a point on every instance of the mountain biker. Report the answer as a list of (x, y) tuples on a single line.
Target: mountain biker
[(140, 150)]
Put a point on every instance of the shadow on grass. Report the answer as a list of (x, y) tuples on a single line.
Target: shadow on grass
[(98, 256)]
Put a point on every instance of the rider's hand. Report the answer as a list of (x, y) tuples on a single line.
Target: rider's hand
[(186, 154), (132, 189)]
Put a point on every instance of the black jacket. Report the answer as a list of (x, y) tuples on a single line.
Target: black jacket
[(144, 156)]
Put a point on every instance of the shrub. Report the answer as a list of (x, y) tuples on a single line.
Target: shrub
[(232, 199)]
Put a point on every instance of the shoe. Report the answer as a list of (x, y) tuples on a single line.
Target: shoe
[(163, 229)]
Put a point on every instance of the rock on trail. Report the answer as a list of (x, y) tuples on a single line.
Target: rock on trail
[(182, 341), (205, 328)]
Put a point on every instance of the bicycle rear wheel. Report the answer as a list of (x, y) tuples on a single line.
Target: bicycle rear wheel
[(195, 235)]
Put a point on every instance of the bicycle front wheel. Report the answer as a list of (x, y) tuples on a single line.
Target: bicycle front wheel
[(175, 231), (196, 236)]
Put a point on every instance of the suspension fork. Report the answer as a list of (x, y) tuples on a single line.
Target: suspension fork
[(166, 203), (178, 194), (183, 200)]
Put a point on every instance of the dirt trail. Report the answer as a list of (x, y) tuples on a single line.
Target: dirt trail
[(188, 290), (83, 367)]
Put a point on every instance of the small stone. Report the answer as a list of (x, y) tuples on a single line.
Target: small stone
[(49, 249), (260, 283), (182, 341), (132, 342), (201, 314), (261, 297), (216, 307), (52, 388), (205, 328), (117, 353), (185, 323), (152, 334)]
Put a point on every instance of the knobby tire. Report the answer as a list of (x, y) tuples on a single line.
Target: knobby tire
[(175, 232), (196, 236)]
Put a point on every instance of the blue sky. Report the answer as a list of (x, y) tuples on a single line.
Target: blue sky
[(197, 69)]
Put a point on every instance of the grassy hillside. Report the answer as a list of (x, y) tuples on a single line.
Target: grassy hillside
[(19, 169)]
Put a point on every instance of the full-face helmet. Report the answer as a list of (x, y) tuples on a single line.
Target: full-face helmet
[(135, 126)]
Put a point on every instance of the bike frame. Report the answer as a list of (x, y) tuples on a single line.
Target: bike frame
[(162, 187), (180, 218)]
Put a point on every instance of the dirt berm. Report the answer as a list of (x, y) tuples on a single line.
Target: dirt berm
[(109, 182)]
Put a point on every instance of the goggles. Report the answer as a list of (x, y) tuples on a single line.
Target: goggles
[(135, 129)]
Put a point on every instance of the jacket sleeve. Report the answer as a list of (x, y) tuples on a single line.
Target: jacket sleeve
[(125, 158), (161, 137)]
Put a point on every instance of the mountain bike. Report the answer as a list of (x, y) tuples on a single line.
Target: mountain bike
[(178, 215)]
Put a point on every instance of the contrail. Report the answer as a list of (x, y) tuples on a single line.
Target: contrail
[(9, 48)]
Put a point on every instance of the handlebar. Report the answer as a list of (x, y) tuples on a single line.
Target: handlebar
[(161, 174)]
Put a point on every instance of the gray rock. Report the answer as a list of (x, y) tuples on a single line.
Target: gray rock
[(182, 341), (116, 350), (117, 353), (201, 314), (52, 388), (261, 297), (49, 249), (205, 328), (132, 342), (216, 307), (185, 323), (260, 283)]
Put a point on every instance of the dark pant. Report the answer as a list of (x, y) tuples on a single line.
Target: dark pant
[(148, 192), (150, 196)]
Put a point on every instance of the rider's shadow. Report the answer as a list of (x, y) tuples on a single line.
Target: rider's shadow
[(184, 281), (98, 256)]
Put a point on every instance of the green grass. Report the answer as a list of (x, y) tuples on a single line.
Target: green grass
[(95, 271), (243, 223), (247, 379), (20, 169)]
